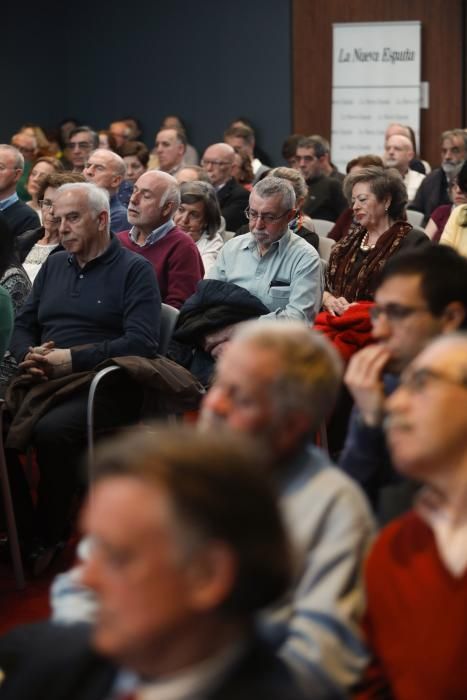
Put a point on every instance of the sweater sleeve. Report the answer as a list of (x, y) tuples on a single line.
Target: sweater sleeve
[(185, 269)]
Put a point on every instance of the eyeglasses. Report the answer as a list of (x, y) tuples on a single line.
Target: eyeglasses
[(395, 312), (210, 161), (416, 380), (46, 203), (252, 215), (82, 145)]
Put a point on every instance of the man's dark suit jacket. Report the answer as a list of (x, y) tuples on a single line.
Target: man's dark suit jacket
[(20, 217), (46, 661), (233, 200), (432, 193)]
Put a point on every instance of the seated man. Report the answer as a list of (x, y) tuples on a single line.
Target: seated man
[(416, 574), (88, 303), (106, 169), (420, 295), (173, 254), (325, 196), (218, 161), (187, 544), (434, 189), (271, 262), (277, 381), (18, 215)]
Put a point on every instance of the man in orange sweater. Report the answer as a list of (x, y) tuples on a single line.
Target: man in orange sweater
[(416, 574)]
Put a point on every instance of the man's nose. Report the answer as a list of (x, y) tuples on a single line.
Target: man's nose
[(381, 327), (217, 401)]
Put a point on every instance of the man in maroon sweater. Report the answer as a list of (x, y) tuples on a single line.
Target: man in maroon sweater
[(173, 254), (416, 574)]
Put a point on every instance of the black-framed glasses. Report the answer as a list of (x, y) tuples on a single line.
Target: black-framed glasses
[(395, 312), (416, 380), (253, 215)]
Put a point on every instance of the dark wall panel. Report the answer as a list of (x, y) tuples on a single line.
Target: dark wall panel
[(442, 60), (208, 62)]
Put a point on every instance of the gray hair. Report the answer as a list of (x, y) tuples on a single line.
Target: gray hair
[(19, 158), (97, 197), (198, 191), (270, 186), (311, 372), (455, 133), (294, 177), (171, 194)]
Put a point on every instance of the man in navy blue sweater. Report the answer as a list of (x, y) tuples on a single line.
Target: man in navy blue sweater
[(90, 302), (420, 295)]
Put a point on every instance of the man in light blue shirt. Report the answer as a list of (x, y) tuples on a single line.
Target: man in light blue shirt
[(271, 262)]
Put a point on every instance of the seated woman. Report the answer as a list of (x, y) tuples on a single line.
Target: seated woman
[(34, 246), (242, 170), (136, 157), (42, 167), (451, 229), (378, 198), (200, 217), (345, 220)]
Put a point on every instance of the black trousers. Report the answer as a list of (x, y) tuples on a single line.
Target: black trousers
[(60, 441)]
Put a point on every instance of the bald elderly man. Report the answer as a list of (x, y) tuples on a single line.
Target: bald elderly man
[(398, 153), (218, 161), (106, 169), (173, 255)]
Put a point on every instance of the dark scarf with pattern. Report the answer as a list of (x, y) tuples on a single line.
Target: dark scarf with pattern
[(345, 278)]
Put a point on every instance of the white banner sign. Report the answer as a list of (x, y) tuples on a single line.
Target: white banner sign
[(376, 80)]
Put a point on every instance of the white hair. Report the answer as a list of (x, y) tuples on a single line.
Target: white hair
[(97, 197)]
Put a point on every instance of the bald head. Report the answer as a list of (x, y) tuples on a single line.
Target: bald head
[(156, 196), (398, 152), (218, 161), (105, 169)]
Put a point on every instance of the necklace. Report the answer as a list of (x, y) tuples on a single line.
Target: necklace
[(364, 245)]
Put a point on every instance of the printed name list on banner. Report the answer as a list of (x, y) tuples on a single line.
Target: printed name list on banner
[(376, 80)]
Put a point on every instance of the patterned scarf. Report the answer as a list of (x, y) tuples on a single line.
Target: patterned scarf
[(346, 279)]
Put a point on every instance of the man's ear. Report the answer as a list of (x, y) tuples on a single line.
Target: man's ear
[(103, 220), (293, 427), (453, 316), (211, 576)]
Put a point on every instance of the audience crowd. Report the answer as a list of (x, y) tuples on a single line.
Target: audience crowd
[(307, 536)]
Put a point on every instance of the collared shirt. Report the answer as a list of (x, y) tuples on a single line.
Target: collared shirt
[(154, 236), (450, 536), (5, 203), (193, 684), (287, 278), (108, 308)]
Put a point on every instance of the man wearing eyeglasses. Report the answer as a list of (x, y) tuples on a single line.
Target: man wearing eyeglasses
[(18, 215), (416, 574), (81, 142), (275, 265), (421, 295), (218, 161)]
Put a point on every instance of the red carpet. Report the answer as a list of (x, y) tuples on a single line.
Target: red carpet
[(32, 603)]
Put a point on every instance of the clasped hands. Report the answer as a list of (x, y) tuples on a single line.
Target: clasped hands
[(45, 361)]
